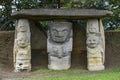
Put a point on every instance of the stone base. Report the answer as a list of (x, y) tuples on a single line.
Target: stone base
[(22, 70), (25, 69), (22, 66), (58, 67), (96, 67), (56, 63)]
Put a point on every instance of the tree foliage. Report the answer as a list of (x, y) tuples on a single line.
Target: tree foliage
[(109, 23)]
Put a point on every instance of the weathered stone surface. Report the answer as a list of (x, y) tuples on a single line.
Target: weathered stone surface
[(59, 45), (42, 14), (22, 47), (39, 56), (95, 45)]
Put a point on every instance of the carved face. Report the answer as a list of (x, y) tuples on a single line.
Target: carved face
[(60, 32), (93, 26), (22, 28), (92, 41), (92, 30), (22, 25), (22, 41)]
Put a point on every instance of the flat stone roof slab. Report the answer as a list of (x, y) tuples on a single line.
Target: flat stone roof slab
[(43, 14)]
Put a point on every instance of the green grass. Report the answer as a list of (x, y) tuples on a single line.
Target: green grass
[(72, 74)]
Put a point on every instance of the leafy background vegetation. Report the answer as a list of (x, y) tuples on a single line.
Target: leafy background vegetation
[(9, 6)]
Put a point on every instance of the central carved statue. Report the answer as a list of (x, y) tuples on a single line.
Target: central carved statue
[(59, 45)]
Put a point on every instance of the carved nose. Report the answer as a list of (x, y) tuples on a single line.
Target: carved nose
[(92, 42), (22, 42), (60, 34), (60, 55)]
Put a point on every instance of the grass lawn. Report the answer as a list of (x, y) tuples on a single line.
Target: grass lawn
[(72, 74)]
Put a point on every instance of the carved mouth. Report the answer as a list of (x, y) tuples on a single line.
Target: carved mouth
[(23, 45), (92, 44), (59, 36), (59, 57)]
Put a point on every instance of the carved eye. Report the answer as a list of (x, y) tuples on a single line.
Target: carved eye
[(90, 40), (20, 40), (65, 30), (94, 40), (54, 31)]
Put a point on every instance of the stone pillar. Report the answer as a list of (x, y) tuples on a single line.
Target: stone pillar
[(95, 45), (22, 47), (59, 45)]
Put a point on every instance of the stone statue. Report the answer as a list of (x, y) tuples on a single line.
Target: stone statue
[(22, 48), (59, 45), (95, 53), (95, 45)]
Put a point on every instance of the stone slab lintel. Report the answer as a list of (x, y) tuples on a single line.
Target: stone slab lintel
[(48, 14)]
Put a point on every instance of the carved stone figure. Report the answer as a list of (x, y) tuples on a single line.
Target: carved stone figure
[(95, 53), (22, 48), (59, 45), (22, 25), (92, 26), (95, 45)]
